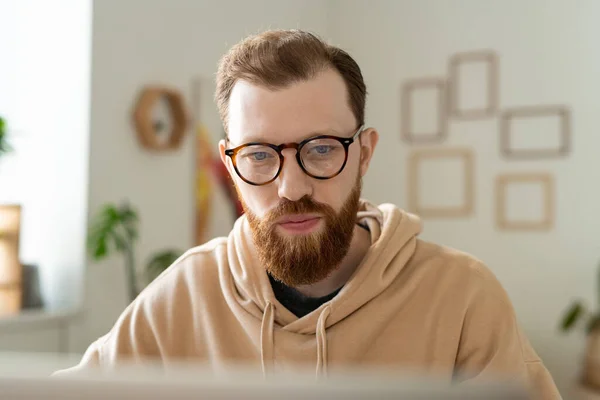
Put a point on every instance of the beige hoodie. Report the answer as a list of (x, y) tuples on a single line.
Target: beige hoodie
[(410, 305)]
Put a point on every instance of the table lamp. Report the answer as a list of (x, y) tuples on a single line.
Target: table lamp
[(10, 267)]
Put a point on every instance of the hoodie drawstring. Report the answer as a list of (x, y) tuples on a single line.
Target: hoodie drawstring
[(322, 342), (266, 339)]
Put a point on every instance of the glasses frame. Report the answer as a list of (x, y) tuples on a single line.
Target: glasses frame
[(345, 141)]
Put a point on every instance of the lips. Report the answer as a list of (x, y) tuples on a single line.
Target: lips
[(299, 223), (295, 219)]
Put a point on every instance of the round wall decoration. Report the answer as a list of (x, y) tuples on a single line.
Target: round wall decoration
[(160, 129)]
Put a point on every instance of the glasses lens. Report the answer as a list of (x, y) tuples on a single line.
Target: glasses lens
[(257, 164), (323, 157)]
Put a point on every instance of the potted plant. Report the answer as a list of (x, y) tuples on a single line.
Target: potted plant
[(579, 315), (5, 147), (115, 229)]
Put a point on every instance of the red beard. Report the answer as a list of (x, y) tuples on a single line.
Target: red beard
[(305, 259)]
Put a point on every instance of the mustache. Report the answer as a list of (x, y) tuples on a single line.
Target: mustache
[(304, 205)]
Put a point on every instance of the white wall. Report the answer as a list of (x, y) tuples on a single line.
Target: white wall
[(139, 42), (44, 95), (547, 55)]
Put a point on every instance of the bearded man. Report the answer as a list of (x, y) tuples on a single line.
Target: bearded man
[(312, 275)]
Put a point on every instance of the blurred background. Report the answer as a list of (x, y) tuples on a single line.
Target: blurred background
[(487, 112)]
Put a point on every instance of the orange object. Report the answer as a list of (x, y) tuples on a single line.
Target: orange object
[(210, 173), (204, 160), (10, 266)]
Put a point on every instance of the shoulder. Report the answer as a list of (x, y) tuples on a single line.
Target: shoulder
[(195, 268), (455, 271), (147, 324), (443, 258), (194, 257), (197, 263), (466, 286), (490, 332), (160, 319), (490, 340), (178, 286)]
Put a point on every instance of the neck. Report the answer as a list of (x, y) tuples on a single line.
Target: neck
[(361, 241)]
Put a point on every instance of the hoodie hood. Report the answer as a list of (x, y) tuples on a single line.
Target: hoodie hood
[(393, 238), (410, 304)]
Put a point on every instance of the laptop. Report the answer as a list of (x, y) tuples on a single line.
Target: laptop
[(191, 382)]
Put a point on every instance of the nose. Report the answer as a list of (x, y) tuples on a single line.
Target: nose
[(293, 182)]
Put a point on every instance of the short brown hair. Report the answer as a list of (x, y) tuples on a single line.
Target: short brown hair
[(277, 58)]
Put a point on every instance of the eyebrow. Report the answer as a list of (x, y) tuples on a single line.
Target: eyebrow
[(259, 139)]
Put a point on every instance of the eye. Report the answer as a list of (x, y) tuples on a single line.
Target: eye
[(321, 149), (258, 155)]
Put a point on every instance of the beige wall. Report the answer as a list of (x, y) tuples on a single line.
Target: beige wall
[(547, 55), (137, 42)]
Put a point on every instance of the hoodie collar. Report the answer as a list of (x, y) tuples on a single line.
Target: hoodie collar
[(393, 238)]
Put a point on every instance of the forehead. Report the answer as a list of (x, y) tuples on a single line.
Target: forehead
[(290, 114)]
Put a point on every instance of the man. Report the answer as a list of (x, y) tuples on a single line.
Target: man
[(313, 275)]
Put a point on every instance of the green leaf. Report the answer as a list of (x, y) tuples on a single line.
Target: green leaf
[(127, 211), (161, 261), (5, 147), (99, 250), (118, 240), (129, 219), (110, 213), (572, 315), (131, 231), (128, 215), (111, 227)]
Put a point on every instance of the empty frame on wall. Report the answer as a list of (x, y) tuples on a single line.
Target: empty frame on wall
[(441, 182), (525, 202), (473, 85), (535, 132), (423, 110)]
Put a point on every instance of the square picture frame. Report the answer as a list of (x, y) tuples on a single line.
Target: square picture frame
[(503, 181), (539, 111), (414, 200), (490, 108), (406, 111)]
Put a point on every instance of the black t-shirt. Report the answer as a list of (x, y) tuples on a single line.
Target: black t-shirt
[(299, 304), (296, 302)]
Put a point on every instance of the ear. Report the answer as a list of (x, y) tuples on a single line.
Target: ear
[(368, 141), (224, 158)]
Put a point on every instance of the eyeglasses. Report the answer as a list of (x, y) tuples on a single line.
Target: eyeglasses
[(320, 157)]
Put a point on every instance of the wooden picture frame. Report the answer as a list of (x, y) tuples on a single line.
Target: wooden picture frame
[(487, 110), (540, 111), (414, 200), (406, 110), (547, 182), (146, 128)]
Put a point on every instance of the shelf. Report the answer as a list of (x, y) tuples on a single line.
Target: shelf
[(34, 318)]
